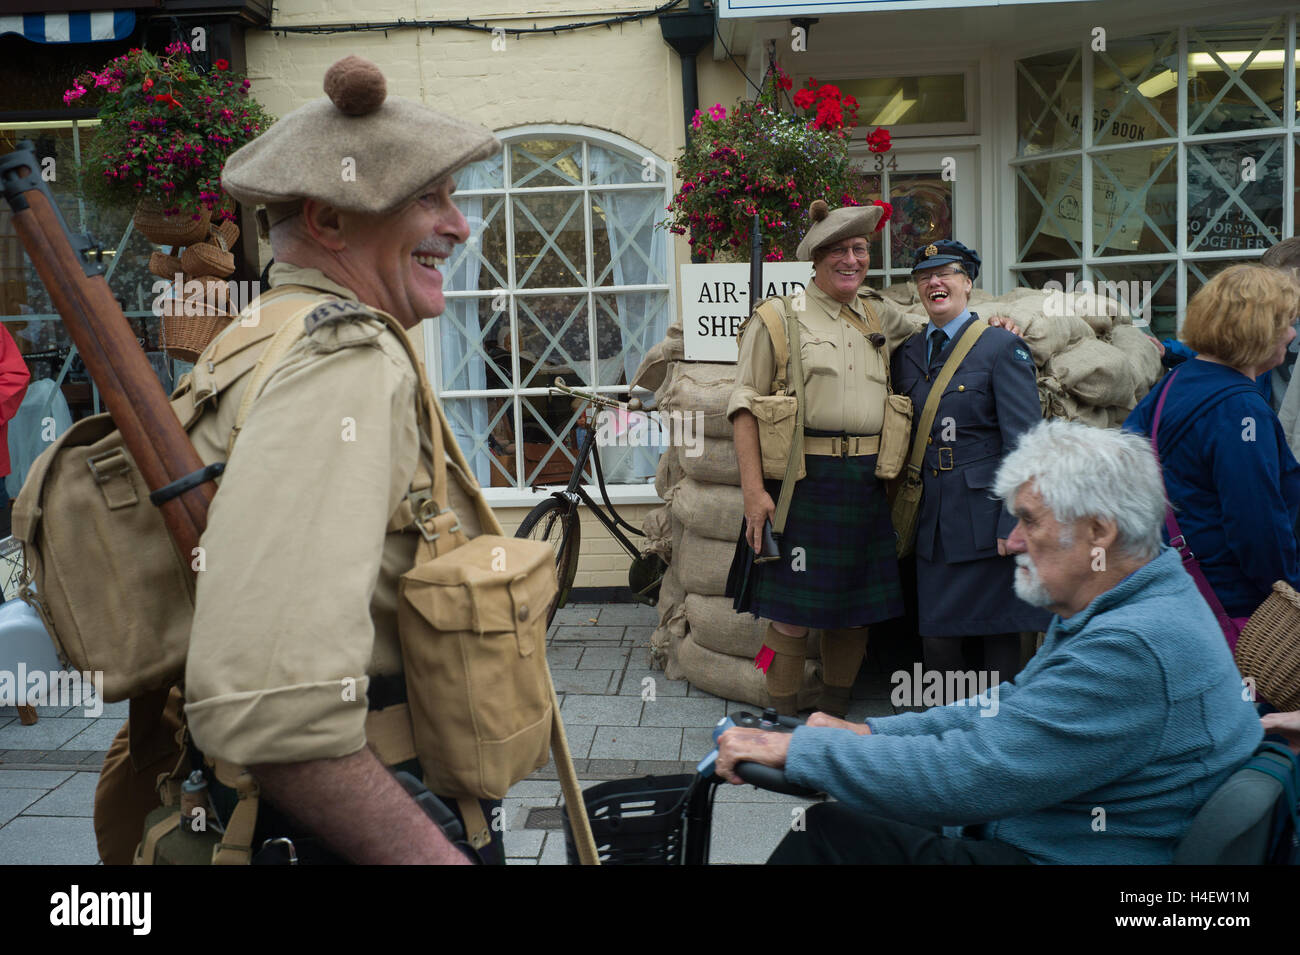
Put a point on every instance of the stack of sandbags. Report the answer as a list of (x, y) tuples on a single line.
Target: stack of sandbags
[(1093, 364), (700, 638)]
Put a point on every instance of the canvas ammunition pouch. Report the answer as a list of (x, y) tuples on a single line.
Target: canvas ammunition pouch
[(471, 616)]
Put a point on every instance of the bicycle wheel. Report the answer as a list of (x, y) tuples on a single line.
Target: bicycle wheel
[(555, 521)]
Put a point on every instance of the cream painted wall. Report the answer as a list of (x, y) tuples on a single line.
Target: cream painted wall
[(602, 560)]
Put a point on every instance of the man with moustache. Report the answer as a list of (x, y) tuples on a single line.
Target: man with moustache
[(295, 667), (1133, 705)]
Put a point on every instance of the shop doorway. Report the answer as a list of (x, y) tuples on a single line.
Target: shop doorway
[(934, 193)]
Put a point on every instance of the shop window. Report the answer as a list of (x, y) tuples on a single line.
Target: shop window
[(1183, 161), (909, 100), (566, 275), (1235, 77), (1047, 111)]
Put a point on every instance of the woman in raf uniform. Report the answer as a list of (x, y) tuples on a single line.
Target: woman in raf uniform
[(964, 576)]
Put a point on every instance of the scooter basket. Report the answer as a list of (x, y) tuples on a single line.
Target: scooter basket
[(638, 821)]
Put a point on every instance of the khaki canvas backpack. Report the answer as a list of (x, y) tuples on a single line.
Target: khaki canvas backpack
[(98, 564)]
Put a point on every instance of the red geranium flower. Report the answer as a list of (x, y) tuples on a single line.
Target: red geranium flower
[(222, 65), (804, 99), (784, 82), (878, 140)]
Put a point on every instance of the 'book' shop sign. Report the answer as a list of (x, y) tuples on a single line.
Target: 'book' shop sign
[(715, 303)]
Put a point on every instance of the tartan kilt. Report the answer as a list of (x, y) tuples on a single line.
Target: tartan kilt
[(848, 575)]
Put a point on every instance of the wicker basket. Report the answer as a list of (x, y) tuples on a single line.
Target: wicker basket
[(164, 266), (1268, 649), (203, 259), (185, 334), (180, 229), (228, 231)]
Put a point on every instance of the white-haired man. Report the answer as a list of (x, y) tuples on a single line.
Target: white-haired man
[(1104, 746)]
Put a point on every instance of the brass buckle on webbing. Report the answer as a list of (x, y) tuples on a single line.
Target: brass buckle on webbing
[(425, 516), (942, 465)]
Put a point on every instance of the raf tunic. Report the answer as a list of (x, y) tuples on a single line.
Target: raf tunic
[(837, 568), (297, 601), (963, 587)]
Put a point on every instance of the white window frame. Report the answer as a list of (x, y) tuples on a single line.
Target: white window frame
[(526, 496), (1286, 133)]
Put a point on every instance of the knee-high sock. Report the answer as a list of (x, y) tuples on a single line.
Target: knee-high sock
[(842, 653), (785, 673)]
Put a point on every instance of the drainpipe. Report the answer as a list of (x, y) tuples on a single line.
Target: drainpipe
[(688, 31)]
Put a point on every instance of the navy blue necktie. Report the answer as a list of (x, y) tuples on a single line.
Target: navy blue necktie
[(938, 339)]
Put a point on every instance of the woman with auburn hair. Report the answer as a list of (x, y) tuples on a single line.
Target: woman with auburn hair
[(1231, 478)]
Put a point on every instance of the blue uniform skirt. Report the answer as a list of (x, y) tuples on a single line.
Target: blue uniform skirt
[(838, 566)]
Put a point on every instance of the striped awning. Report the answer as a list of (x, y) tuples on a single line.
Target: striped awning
[(71, 27)]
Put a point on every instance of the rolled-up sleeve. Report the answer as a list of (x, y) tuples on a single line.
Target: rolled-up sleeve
[(283, 633), (755, 367)]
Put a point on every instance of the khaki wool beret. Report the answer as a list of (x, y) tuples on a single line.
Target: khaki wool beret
[(356, 149), (845, 222)]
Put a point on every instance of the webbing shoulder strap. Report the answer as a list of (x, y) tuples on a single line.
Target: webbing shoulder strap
[(974, 330), (283, 340), (796, 444), (775, 325)]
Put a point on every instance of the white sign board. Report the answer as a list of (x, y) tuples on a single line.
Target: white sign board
[(733, 9), (715, 302)]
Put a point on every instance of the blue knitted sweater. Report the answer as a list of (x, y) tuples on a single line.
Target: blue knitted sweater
[(1132, 706)]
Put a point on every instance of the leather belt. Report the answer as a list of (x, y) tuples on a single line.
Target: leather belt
[(846, 446)]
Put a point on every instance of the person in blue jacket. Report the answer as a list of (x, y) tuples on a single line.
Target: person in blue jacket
[(1230, 475), (1104, 747)]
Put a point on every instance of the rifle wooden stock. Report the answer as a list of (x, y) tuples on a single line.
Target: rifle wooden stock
[(132, 393)]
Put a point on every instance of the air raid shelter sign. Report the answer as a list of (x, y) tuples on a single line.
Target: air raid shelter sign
[(715, 303)]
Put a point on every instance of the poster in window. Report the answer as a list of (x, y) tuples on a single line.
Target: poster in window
[(1113, 218), (1234, 164)]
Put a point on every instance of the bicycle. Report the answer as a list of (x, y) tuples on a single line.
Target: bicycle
[(556, 520)]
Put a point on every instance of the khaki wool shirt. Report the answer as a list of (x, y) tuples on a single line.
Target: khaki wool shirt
[(844, 374), (296, 604)]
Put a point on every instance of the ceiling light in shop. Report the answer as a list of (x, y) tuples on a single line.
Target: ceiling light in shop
[(1160, 83), (894, 110), (1234, 58)]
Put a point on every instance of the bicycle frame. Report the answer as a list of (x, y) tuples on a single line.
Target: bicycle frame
[(575, 493)]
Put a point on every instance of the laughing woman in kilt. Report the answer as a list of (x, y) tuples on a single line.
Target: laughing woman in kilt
[(837, 571)]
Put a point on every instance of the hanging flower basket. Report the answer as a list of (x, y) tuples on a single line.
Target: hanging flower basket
[(757, 160), (166, 129), (179, 229)]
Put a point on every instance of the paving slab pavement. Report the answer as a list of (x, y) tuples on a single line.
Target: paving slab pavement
[(619, 726)]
